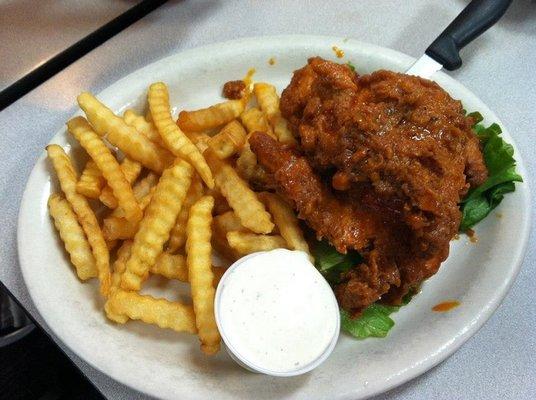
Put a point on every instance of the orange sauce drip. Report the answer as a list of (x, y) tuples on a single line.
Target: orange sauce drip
[(271, 61), (445, 306), (338, 52), (248, 81), (472, 235)]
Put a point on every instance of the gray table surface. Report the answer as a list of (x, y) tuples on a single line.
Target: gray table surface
[(31, 32), (499, 361)]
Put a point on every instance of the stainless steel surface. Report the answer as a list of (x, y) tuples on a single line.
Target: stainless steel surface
[(31, 32), (498, 362), (424, 67)]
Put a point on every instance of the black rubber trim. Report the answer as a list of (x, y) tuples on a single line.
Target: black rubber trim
[(62, 60), (47, 335)]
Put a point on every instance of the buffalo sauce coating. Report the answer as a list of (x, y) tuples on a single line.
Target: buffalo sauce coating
[(388, 157), (234, 90), (445, 306)]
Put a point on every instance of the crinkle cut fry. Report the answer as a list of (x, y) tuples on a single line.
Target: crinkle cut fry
[(131, 142), (229, 140), (211, 117), (176, 141), (108, 165), (241, 198), (143, 126), (157, 222), (177, 237), (91, 181), (173, 266), (86, 217), (123, 305), (287, 222), (200, 273), (115, 228), (246, 243), (131, 169), (269, 102), (73, 236)]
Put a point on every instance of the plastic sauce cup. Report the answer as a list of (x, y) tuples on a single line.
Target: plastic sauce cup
[(276, 313)]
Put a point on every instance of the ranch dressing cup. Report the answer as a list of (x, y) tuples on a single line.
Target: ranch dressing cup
[(276, 313)]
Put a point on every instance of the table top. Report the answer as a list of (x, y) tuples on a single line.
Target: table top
[(34, 31), (498, 362)]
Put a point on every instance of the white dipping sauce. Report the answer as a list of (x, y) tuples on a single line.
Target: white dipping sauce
[(276, 313)]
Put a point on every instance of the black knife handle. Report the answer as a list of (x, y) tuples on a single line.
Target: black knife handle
[(475, 19)]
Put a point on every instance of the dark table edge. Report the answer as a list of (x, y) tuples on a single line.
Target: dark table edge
[(62, 60), (44, 331)]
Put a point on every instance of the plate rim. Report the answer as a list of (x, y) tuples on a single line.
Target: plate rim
[(270, 40)]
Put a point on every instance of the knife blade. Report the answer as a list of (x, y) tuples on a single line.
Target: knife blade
[(475, 19), (424, 67)]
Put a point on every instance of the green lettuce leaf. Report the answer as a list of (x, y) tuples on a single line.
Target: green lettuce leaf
[(375, 320), (499, 159)]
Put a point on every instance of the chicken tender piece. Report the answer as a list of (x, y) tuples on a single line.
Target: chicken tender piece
[(385, 160)]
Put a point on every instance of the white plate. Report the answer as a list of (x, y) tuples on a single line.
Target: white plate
[(169, 365)]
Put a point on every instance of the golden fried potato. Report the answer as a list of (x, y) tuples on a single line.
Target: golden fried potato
[(115, 226), (247, 166), (200, 139), (73, 236), (108, 165), (255, 121), (200, 273), (134, 144), (267, 98), (177, 237), (123, 254), (281, 130), (246, 243), (91, 181), (229, 221), (269, 102), (220, 244), (241, 198), (211, 117), (144, 186), (176, 141), (157, 222), (229, 140), (123, 305), (86, 217), (171, 266), (143, 126), (131, 170), (286, 221), (221, 225)]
